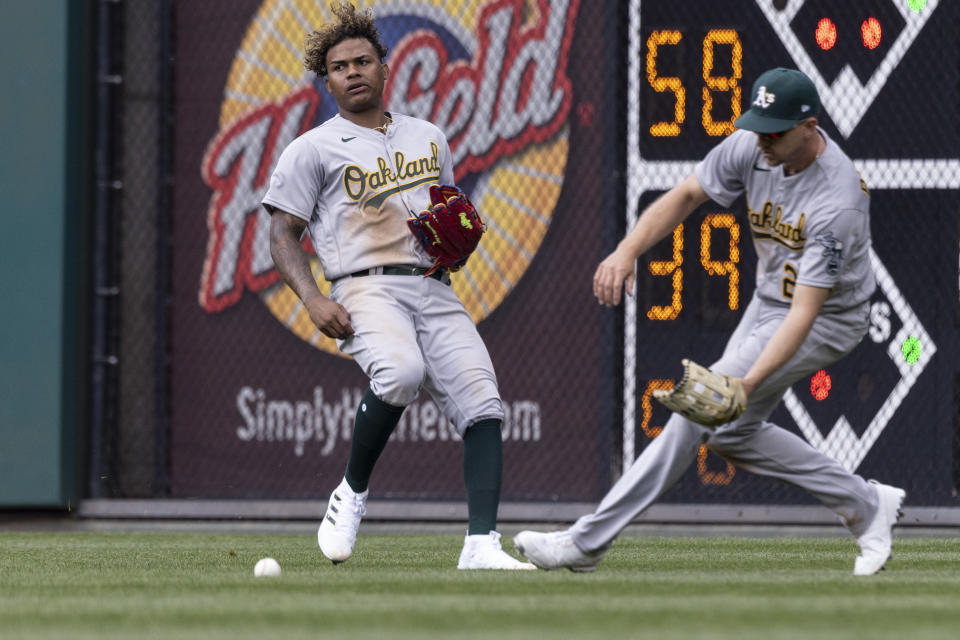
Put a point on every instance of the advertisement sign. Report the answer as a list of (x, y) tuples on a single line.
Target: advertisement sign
[(263, 404)]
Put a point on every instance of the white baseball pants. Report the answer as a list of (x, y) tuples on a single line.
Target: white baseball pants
[(412, 332)]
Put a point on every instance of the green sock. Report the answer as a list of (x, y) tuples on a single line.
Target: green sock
[(375, 422), (482, 470)]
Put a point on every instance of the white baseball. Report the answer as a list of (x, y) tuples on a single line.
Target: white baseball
[(266, 567)]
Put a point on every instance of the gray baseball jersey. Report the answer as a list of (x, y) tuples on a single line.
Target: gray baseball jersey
[(811, 228), (356, 187)]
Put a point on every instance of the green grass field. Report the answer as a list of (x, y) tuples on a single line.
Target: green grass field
[(174, 585)]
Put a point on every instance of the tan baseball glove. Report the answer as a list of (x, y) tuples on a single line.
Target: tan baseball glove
[(705, 397)]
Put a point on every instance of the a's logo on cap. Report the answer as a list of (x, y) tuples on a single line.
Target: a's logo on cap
[(764, 99)]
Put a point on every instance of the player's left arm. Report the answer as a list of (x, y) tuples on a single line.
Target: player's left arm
[(806, 305)]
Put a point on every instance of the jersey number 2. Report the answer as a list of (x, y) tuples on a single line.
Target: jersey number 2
[(789, 281)]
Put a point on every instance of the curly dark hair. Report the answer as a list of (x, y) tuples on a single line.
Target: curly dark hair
[(350, 24)]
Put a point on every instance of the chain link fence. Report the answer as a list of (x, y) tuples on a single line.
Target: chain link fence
[(566, 118)]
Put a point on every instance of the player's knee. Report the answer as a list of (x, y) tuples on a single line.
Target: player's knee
[(483, 408), (399, 379)]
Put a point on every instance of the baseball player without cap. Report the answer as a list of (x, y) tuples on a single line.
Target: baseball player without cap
[(780, 100)]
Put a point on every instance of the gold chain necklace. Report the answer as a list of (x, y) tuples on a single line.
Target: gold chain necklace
[(383, 128)]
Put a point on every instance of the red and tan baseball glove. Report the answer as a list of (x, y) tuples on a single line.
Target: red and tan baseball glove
[(449, 229)]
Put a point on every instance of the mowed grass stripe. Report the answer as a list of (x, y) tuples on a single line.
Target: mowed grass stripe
[(111, 585)]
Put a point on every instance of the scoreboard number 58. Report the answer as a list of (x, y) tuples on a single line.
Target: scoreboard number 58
[(711, 83)]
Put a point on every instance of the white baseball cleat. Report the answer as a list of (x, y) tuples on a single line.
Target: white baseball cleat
[(484, 552), (556, 550), (338, 531), (876, 542)]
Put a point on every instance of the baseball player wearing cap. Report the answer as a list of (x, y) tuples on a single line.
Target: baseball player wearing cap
[(808, 212), (352, 182)]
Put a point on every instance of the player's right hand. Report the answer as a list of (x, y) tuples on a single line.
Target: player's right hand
[(330, 317), (616, 272)]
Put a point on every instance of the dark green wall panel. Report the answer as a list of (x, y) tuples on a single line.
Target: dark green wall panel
[(41, 199)]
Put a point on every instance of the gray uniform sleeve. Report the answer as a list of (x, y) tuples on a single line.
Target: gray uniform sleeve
[(829, 246), (296, 181), (721, 172)]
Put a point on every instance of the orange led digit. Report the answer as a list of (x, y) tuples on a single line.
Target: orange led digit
[(730, 83), (647, 406), (707, 476), (715, 478), (670, 268), (726, 267), (666, 83)]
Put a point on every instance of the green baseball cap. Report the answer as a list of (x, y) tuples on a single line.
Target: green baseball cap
[(780, 100)]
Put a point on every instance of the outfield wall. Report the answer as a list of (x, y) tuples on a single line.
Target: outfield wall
[(566, 118), (262, 404), (43, 185)]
